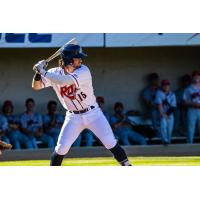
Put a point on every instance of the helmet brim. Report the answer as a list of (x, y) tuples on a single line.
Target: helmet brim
[(80, 55)]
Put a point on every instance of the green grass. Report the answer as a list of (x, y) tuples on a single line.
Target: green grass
[(137, 161)]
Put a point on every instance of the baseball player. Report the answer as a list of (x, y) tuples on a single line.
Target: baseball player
[(148, 97), (192, 101), (72, 82), (166, 105)]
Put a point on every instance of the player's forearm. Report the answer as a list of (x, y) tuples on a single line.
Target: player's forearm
[(59, 79), (37, 82)]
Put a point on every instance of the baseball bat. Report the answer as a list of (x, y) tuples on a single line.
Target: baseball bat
[(57, 53)]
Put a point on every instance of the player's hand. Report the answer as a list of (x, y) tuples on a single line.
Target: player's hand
[(40, 67), (4, 146)]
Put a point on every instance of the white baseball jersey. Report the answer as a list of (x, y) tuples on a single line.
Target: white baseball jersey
[(76, 96), (192, 94)]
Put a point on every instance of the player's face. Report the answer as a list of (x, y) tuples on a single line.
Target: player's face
[(155, 82), (119, 110), (166, 88), (30, 106), (52, 108), (196, 79), (8, 109), (77, 62)]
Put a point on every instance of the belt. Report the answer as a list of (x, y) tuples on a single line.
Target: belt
[(81, 111)]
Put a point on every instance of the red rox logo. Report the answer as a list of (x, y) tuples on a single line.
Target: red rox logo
[(68, 91)]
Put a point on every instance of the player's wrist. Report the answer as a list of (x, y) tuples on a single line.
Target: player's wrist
[(37, 77)]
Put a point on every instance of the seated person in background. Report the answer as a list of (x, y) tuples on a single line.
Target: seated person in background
[(148, 97), (180, 113), (52, 121), (123, 129), (4, 129), (166, 105), (31, 125), (101, 103), (192, 101), (16, 137)]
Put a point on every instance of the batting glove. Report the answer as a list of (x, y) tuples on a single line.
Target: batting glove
[(40, 67)]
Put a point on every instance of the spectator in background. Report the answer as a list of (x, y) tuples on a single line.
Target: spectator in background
[(4, 129), (101, 103), (166, 104), (180, 113), (16, 137), (192, 101), (52, 121), (148, 97), (31, 123), (123, 129)]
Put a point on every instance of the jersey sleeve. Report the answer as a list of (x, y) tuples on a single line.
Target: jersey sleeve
[(46, 82), (23, 121), (146, 95), (187, 95), (4, 126), (173, 102), (158, 99)]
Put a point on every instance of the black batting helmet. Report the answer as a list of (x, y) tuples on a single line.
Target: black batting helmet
[(71, 51)]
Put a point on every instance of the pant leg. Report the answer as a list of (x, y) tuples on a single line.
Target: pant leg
[(198, 121), (155, 118), (163, 129), (47, 140), (136, 137), (98, 124), (27, 141), (14, 137), (123, 136), (77, 142), (70, 131), (170, 127), (89, 138), (191, 124)]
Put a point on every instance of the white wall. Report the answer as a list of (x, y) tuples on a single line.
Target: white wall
[(118, 73)]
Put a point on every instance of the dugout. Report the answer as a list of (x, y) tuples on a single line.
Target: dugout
[(118, 73)]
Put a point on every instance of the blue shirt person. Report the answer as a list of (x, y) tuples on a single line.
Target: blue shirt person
[(52, 121), (17, 139), (166, 105), (148, 99), (122, 128), (192, 101), (4, 129), (181, 111), (31, 124)]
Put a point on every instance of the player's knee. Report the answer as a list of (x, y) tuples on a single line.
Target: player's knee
[(61, 150), (109, 142)]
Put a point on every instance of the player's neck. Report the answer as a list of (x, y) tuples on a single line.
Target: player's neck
[(69, 69)]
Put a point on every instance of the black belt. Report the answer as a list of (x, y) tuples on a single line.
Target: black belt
[(81, 111)]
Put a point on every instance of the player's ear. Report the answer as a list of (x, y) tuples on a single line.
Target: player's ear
[(61, 63)]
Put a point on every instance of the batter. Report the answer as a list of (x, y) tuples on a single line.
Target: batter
[(72, 82)]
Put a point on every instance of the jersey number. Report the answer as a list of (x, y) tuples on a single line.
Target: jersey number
[(82, 96)]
